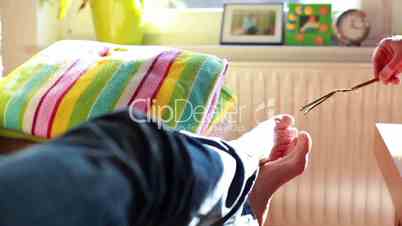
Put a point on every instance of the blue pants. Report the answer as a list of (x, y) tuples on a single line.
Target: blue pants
[(110, 171)]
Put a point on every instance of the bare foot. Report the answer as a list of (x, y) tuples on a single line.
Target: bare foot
[(269, 140), (277, 171), (284, 134)]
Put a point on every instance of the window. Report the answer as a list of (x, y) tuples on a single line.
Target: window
[(195, 3), (338, 5)]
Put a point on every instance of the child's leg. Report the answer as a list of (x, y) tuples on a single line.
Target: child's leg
[(275, 173), (110, 171), (269, 140)]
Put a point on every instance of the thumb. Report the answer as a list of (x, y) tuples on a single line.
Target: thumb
[(392, 68)]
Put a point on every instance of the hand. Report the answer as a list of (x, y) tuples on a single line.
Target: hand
[(387, 60)]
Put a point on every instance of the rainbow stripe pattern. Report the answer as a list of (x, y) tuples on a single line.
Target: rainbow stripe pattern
[(73, 81)]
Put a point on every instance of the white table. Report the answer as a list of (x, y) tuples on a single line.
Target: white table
[(388, 153)]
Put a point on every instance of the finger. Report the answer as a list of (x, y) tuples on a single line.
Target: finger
[(380, 58), (393, 67), (382, 55), (395, 80), (291, 146), (273, 157), (287, 137)]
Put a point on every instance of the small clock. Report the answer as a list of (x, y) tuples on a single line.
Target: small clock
[(352, 27)]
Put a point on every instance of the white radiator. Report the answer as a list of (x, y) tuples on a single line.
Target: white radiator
[(342, 186)]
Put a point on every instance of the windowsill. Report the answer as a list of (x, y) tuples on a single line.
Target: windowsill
[(248, 53)]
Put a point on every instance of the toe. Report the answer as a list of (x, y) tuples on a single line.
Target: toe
[(303, 144), (285, 135), (284, 121), (298, 156)]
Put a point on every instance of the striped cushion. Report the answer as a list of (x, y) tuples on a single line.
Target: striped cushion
[(73, 81)]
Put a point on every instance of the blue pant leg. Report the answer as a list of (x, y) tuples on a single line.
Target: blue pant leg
[(51, 185), (110, 171)]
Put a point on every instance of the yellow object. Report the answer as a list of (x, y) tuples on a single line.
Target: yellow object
[(60, 124), (118, 21), (299, 10), (292, 17), (167, 89), (64, 7), (308, 10), (291, 27)]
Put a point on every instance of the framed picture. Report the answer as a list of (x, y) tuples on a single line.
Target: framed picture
[(252, 24), (309, 24)]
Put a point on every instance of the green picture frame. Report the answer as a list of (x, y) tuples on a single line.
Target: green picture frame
[(309, 24)]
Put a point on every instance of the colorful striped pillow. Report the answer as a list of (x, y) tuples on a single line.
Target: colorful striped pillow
[(73, 81)]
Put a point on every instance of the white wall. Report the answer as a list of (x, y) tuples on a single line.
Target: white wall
[(397, 17), (48, 26), (26, 26), (19, 30)]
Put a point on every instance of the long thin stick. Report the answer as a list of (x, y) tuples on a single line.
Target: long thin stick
[(365, 84), (310, 106)]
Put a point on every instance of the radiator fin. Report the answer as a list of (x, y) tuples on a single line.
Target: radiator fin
[(343, 185)]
